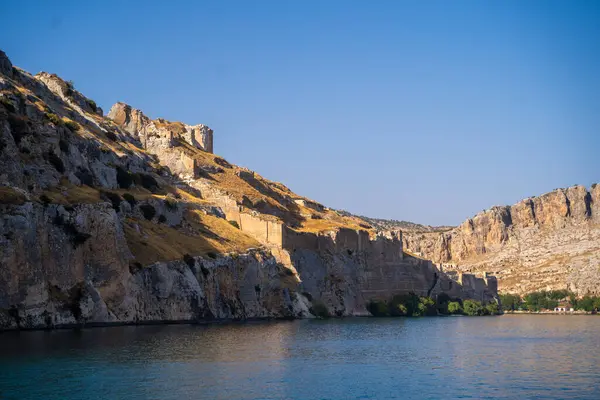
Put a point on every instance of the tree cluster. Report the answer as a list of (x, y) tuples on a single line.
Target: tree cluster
[(548, 300)]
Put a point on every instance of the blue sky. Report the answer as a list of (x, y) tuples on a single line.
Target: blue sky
[(426, 111)]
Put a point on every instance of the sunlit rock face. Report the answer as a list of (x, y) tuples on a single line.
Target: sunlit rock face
[(159, 133), (540, 243)]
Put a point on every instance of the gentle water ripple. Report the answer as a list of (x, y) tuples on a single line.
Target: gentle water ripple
[(508, 357)]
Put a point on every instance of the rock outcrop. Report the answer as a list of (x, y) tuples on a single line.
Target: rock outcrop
[(124, 219), (159, 134), (5, 65), (540, 243)]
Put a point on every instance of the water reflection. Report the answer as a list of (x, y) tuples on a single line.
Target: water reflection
[(509, 357)]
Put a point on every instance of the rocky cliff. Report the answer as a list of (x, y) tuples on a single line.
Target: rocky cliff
[(127, 219), (540, 243)]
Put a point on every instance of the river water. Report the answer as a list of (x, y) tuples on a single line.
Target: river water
[(506, 357)]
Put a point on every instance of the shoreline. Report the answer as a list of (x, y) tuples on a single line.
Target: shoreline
[(549, 313), (81, 326), (63, 327)]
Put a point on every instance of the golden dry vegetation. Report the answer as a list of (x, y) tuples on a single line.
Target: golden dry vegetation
[(151, 242), (69, 194), (322, 225), (9, 195), (273, 194)]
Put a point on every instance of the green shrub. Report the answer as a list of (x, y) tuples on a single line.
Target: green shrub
[(55, 119), (72, 125), (427, 306), (319, 310), (7, 104), (400, 309), (510, 301), (234, 223), (472, 307), (405, 305), (454, 307), (492, 309), (536, 301), (92, 105), (586, 303), (162, 219)]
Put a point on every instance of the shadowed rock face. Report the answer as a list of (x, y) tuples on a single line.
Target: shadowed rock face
[(546, 242), (5, 65)]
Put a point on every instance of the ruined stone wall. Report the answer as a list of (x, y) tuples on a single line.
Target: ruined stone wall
[(267, 232), (159, 135)]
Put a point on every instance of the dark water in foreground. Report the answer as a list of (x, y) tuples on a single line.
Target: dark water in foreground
[(512, 357)]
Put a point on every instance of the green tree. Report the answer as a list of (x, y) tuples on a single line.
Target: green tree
[(405, 304), (558, 294), (454, 307), (472, 307), (586, 303), (573, 300), (510, 301), (492, 309), (427, 306)]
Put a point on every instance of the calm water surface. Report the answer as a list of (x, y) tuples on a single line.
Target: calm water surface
[(508, 357)]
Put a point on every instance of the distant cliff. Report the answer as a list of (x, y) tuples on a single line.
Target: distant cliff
[(546, 242)]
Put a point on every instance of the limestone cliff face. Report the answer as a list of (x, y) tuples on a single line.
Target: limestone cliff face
[(160, 133), (546, 242), (346, 269), (124, 219)]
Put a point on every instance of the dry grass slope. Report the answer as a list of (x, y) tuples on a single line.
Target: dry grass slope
[(9, 195), (150, 243)]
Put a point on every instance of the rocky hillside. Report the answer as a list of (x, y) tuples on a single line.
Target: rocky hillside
[(395, 225), (546, 242), (124, 219)]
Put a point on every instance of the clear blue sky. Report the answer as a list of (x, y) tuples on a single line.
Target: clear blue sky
[(427, 111)]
